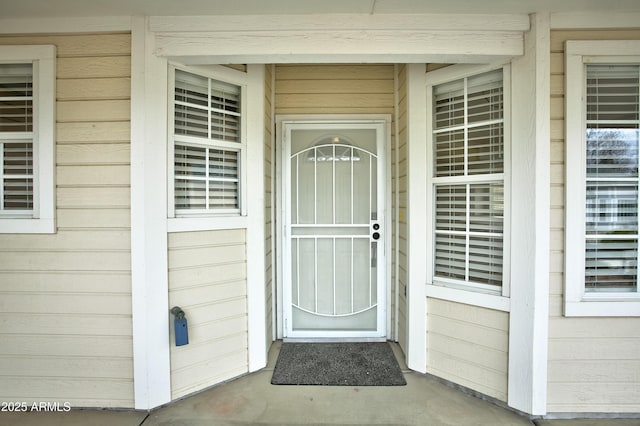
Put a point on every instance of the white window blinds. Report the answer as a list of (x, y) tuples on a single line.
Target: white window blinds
[(468, 144), (206, 108), (207, 144), (611, 214), (16, 138)]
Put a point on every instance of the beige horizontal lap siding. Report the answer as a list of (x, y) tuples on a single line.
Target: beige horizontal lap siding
[(207, 279), (337, 89), (468, 345), (400, 200), (65, 315), (594, 363)]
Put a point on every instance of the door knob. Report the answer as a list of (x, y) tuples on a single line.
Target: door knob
[(376, 235)]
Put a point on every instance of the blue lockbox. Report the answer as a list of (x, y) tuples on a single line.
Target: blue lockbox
[(180, 326), (182, 332)]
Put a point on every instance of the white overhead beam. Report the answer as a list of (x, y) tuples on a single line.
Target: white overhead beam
[(333, 22), (250, 46)]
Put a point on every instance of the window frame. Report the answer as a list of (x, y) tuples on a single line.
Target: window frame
[(212, 219), (498, 297), (578, 302), (41, 219)]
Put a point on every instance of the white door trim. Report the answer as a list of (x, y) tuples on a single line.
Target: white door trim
[(385, 218)]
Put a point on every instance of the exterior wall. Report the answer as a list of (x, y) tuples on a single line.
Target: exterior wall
[(338, 89), (207, 279), (400, 204), (269, 203), (468, 345), (65, 298), (593, 362)]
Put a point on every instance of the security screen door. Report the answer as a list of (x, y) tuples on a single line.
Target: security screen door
[(334, 284)]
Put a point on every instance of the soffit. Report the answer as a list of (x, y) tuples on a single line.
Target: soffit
[(79, 8)]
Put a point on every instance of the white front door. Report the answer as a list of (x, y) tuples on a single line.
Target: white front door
[(334, 265)]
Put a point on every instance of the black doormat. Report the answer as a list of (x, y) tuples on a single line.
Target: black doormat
[(337, 364)]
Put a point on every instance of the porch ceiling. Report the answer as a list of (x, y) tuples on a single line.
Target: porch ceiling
[(78, 8)]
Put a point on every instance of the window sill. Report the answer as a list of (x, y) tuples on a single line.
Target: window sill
[(27, 226), (211, 223), (469, 297), (587, 308)]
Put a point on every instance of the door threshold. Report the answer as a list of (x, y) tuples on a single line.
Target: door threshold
[(334, 339)]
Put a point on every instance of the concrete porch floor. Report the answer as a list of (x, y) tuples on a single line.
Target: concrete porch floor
[(252, 400)]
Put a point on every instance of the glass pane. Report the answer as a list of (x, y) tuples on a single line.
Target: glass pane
[(451, 207), (330, 230), (485, 260), (450, 256), (612, 207), (190, 160), (190, 193), (294, 189), (486, 208), (294, 272), (612, 93), (225, 127), (18, 194), (363, 187), (325, 276), (191, 88), (612, 152), (18, 158), (448, 104), (16, 98), (484, 98), (611, 265), (361, 274), (344, 188), (306, 190), (307, 274), (223, 195), (302, 139), (223, 164), (325, 160), (449, 153), (486, 149), (344, 270)]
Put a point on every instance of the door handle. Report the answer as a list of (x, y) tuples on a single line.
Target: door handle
[(376, 236)]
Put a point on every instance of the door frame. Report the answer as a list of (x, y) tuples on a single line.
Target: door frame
[(280, 188)]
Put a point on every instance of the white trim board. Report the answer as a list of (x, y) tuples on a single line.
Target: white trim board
[(339, 46), (417, 232), (529, 316), (149, 267), (332, 21)]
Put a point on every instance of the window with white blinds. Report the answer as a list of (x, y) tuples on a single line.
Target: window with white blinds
[(611, 205), (207, 145), (16, 139), (468, 156)]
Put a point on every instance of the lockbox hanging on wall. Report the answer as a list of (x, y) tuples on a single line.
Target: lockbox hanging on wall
[(180, 326)]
